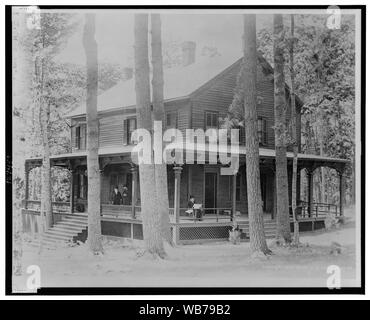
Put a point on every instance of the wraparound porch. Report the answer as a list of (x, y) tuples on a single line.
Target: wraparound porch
[(223, 197)]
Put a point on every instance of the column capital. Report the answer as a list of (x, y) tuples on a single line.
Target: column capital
[(134, 168), (177, 169)]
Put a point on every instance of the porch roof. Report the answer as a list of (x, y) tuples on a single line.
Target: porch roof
[(205, 148)]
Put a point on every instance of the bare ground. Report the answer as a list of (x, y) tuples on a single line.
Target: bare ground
[(214, 265)]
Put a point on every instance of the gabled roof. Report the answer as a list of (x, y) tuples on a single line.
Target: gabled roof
[(179, 82)]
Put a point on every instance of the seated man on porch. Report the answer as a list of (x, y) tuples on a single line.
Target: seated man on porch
[(194, 209), (116, 197)]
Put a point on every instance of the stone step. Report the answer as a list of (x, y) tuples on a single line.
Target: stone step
[(72, 223), (75, 217), (51, 235), (69, 228), (55, 230)]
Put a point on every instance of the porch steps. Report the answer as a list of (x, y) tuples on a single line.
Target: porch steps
[(64, 231), (269, 226)]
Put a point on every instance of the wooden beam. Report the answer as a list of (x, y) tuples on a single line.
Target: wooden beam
[(72, 192), (341, 193), (176, 205), (134, 190), (310, 192), (27, 171), (233, 196)]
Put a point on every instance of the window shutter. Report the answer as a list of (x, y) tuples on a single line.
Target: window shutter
[(73, 137), (78, 135), (85, 186), (125, 132), (83, 136), (264, 131), (135, 120)]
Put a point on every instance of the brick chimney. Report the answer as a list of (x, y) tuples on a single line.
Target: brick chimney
[(188, 53)]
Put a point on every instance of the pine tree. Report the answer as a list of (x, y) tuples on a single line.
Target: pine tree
[(249, 74), (93, 173), (283, 223), (294, 134), (159, 115), (151, 215)]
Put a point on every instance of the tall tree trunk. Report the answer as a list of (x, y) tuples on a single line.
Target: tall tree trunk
[(21, 97), (44, 118), (46, 208), (353, 189), (93, 173), (255, 213), (283, 223), (159, 115), (149, 207), (294, 134)]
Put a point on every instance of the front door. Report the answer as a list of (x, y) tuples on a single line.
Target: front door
[(210, 196)]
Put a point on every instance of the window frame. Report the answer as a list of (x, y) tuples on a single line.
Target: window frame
[(172, 112), (214, 113), (126, 130), (78, 135), (262, 134)]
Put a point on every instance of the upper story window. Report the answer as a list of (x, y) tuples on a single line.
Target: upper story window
[(262, 131), (211, 119), (129, 126), (80, 136), (171, 119)]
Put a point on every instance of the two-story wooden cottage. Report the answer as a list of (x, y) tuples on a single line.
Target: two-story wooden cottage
[(196, 95)]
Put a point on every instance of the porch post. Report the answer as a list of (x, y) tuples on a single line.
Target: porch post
[(310, 192), (72, 192), (134, 190), (176, 205), (341, 193), (233, 197), (274, 195), (26, 196)]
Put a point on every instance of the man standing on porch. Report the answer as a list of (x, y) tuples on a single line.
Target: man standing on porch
[(116, 197)]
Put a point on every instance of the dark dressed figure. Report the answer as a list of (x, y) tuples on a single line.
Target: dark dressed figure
[(116, 197)]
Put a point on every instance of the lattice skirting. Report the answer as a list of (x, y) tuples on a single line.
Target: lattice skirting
[(204, 233)]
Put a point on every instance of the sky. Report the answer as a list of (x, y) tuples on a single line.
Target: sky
[(115, 34)]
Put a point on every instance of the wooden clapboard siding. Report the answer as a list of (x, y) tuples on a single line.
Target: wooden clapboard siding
[(218, 95), (265, 104), (182, 108), (111, 131)]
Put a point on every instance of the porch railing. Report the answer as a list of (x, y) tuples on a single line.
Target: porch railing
[(206, 214), (319, 209), (57, 206), (120, 211)]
